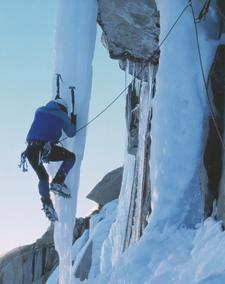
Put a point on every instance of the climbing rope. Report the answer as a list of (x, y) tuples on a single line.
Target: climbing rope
[(196, 20), (138, 74), (175, 23)]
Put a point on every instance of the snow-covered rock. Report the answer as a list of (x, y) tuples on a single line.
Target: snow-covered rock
[(88, 259), (174, 256)]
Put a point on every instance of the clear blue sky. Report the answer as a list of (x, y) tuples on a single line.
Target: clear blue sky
[(26, 72)]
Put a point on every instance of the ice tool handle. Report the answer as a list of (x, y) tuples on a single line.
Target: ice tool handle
[(72, 90), (58, 79), (73, 117)]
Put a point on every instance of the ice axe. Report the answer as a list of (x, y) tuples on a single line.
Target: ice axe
[(58, 79), (72, 90), (73, 116)]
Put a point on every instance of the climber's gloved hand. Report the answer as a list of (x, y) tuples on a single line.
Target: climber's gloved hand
[(73, 118)]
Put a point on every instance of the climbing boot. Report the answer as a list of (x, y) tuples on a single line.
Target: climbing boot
[(49, 210), (60, 189)]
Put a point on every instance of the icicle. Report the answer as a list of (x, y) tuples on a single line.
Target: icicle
[(145, 108), (74, 62), (141, 186), (126, 72), (129, 222)]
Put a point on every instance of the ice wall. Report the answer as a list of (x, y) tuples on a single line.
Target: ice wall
[(74, 47), (127, 226), (179, 124), (179, 127)]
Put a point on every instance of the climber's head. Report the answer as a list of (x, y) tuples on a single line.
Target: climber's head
[(62, 103)]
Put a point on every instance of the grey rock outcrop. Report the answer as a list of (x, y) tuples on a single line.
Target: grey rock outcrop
[(108, 188), (218, 87), (34, 263), (221, 6), (30, 264), (221, 11), (130, 29), (214, 153)]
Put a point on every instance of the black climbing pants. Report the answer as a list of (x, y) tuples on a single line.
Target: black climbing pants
[(33, 153)]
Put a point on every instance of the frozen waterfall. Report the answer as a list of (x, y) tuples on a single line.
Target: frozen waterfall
[(74, 48)]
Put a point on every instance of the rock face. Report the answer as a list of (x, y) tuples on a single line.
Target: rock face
[(214, 152), (30, 264), (221, 5), (218, 87), (108, 188), (130, 28), (34, 263), (221, 10)]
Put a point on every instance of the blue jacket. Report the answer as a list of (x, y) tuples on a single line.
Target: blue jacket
[(49, 121)]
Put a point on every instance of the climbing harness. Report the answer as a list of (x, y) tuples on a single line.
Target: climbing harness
[(45, 152)]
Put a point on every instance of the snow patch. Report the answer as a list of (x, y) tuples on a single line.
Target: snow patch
[(174, 256)]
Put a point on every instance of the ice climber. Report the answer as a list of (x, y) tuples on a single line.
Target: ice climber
[(44, 134)]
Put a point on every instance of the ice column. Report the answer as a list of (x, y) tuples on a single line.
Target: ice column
[(179, 118), (74, 48)]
